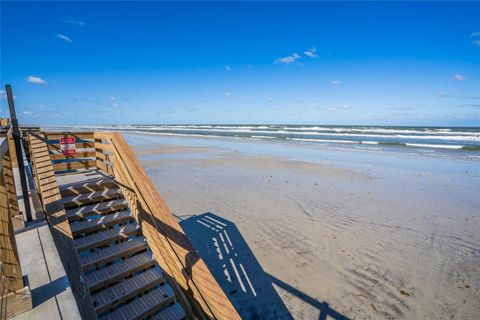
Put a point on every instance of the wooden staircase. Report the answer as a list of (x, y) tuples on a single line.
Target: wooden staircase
[(122, 276), (124, 253)]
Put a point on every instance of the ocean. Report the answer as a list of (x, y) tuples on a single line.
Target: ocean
[(460, 141)]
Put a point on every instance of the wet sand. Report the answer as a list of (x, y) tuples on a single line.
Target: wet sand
[(375, 239)]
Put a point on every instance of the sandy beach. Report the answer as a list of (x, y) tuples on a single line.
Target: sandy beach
[(354, 234)]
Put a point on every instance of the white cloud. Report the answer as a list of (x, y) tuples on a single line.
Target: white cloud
[(442, 94), (269, 99), (475, 34), (337, 108), (458, 77), (27, 113), (289, 59), (37, 80), (476, 42), (335, 81), (113, 98), (226, 93), (228, 68), (64, 37), (73, 21), (311, 53)]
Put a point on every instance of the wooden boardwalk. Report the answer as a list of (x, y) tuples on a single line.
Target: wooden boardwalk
[(125, 254)]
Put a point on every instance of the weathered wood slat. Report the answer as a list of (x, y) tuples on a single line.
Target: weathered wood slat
[(119, 293), (80, 154), (73, 165), (100, 135), (98, 208), (108, 168), (89, 186), (8, 246), (76, 135), (107, 275), (174, 312), (100, 223), (103, 147), (113, 252), (85, 198), (105, 237), (145, 305)]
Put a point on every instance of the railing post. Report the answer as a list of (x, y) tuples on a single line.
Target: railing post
[(18, 149)]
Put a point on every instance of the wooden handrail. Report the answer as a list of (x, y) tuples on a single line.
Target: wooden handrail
[(167, 240), (8, 251)]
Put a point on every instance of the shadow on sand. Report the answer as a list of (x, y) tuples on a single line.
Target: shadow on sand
[(228, 256)]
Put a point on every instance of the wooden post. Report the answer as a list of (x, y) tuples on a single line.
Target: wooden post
[(18, 149)]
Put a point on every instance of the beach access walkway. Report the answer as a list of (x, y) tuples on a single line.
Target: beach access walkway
[(124, 255)]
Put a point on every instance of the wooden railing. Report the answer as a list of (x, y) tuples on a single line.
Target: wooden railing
[(8, 203), (15, 296), (168, 242)]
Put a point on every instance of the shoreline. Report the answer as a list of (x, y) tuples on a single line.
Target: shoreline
[(372, 240)]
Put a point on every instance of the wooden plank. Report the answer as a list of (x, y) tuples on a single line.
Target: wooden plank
[(100, 135), (10, 183), (100, 223), (105, 167), (61, 232), (167, 240), (144, 306), (18, 302), (86, 198), (107, 275), (73, 165), (8, 246), (105, 237), (116, 251), (127, 289), (80, 154), (77, 135), (11, 148), (98, 208), (101, 155), (103, 147), (174, 312)]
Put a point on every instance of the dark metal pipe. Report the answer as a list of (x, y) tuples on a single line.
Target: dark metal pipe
[(18, 147)]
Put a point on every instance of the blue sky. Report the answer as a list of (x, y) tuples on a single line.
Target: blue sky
[(382, 63)]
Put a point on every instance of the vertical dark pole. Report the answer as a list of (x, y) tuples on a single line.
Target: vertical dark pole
[(18, 147)]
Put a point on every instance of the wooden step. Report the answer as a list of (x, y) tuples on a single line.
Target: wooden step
[(145, 305), (174, 312), (119, 293), (116, 272), (91, 197), (98, 208), (105, 237), (111, 253), (89, 186), (100, 223)]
